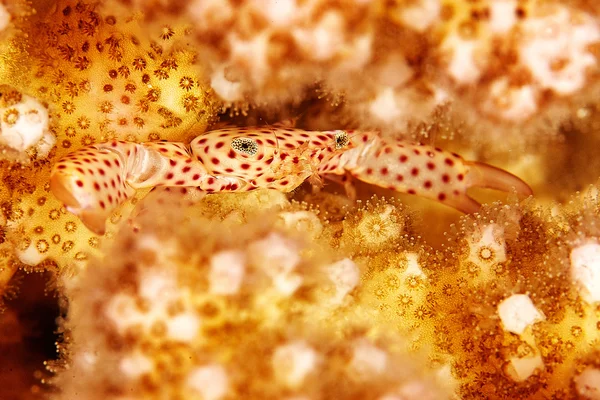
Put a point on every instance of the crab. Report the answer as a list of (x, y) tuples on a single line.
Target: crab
[(93, 181)]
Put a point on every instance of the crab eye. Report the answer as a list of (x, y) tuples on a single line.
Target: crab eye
[(245, 145), (341, 139)]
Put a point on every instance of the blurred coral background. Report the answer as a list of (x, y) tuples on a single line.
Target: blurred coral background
[(303, 295)]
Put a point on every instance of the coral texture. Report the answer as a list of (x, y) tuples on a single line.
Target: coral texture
[(308, 294)]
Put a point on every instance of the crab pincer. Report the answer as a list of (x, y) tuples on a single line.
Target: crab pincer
[(94, 181), (421, 170)]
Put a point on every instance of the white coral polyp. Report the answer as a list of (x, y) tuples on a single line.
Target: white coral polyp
[(25, 124), (502, 15), (278, 257), (293, 362), (345, 276), (324, 40), (135, 365), (303, 221), (5, 18), (413, 268), (521, 368), (588, 383), (227, 90), (279, 13), (211, 382), (490, 248), (421, 14), (462, 66), (158, 290), (554, 48), (227, 269), (511, 103), (585, 270), (517, 312), (368, 359)]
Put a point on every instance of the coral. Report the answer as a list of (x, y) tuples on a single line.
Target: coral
[(509, 65), (309, 294), (207, 315)]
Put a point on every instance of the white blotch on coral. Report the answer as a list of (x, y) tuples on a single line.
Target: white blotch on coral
[(278, 257), (208, 13), (183, 327), (324, 40), (368, 359), (413, 268), (517, 312), (251, 55), (385, 107), (135, 365), (585, 270), (521, 368), (279, 13), (292, 362), (211, 382), (555, 48), (344, 275), (511, 103), (502, 15), (5, 17), (158, 289), (421, 14), (462, 66), (303, 221), (227, 90), (588, 383), (227, 269), (24, 124), (394, 72)]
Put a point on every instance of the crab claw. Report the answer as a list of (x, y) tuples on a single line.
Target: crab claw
[(489, 177), (90, 184)]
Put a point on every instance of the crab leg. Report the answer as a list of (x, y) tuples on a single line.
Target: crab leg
[(421, 170), (94, 181)]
